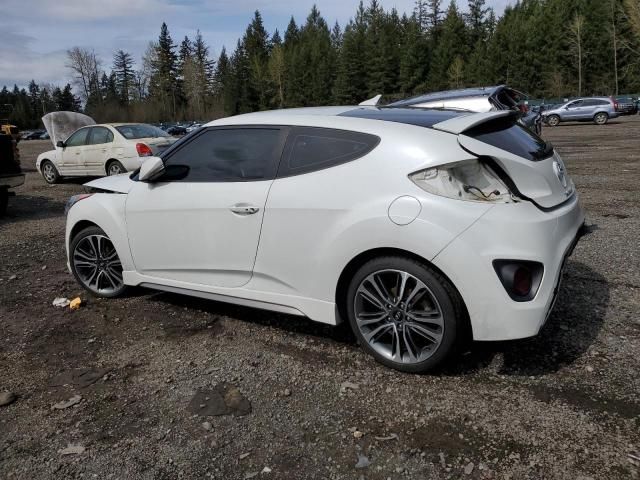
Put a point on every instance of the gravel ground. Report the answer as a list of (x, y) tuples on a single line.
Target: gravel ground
[(563, 405)]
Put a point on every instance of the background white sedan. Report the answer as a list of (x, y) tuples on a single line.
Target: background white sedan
[(98, 150)]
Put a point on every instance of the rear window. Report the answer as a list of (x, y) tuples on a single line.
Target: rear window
[(309, 149), (141, 130), (513, 138)]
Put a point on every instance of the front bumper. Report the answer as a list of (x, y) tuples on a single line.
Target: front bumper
[(511, 231)]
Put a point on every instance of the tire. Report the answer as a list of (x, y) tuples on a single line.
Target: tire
[(95, 263), (600, 118), (378, 327), (553, 120), (114, 167), (49, 172), (4, 201)]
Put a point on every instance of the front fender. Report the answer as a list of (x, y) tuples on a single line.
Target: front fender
[(107, 211)]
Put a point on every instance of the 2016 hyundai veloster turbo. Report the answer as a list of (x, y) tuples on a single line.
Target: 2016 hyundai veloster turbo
[(418, 227)]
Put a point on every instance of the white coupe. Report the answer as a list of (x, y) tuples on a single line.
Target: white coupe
[(421, 228), (83, 148)]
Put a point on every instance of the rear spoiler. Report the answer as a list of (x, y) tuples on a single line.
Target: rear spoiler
[(461, 124)]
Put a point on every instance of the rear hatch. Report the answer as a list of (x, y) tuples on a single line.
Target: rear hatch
[(534, 170)]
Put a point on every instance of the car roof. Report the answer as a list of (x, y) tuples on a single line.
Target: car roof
[(449, 94), (422, 117)]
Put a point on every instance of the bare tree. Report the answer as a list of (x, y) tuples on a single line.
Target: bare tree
[(576, 46), (86, 66)]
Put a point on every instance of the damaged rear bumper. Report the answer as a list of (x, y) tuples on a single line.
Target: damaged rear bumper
[(511, 231)]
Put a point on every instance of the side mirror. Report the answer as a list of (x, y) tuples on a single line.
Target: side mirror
[(150, 169), (60, 144)]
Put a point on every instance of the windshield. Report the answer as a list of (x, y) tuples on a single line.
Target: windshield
[(140, 130)]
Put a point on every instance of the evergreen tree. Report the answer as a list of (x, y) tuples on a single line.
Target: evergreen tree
[(351, 80), (123, 69), (451, 45), (164, 86)]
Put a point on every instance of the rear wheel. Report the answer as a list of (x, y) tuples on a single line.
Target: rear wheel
[(114, 167), (601, 118), (49, 172), (404, 314), (95, 263), (553, 120)]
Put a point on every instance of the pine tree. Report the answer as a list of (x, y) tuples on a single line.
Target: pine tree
[(123, 69), (314, 49), (452, 43), (164, 86), (351, 80), (34, 99)]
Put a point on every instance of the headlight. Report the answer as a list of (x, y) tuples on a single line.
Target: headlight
[(469, 180), (75, 199)]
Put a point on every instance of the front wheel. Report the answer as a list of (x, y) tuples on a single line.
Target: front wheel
[(95, 263), (50, 172), (601, 118), (404, 314), (553, 120)]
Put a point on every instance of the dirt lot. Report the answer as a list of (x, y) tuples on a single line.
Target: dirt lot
[(564, 405)]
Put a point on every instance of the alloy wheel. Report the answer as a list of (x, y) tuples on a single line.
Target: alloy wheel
[(398, 316), (97, 264), (49, 172)]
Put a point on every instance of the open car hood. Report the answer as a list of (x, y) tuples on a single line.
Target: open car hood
[(60, 125)]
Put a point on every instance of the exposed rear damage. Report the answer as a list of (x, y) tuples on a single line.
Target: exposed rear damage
[(535, 206)]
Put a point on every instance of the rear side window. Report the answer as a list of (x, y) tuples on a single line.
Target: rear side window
[(230, 155), (310, 149), (512, 137)]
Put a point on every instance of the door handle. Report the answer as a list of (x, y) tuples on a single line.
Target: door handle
[(244, 209)]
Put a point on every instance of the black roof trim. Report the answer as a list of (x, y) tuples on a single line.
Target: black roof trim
[(420, 117)]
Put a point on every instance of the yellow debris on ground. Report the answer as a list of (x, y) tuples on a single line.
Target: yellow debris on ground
[(75, 303)]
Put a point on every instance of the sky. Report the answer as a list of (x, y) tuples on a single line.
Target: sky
[(35, 34)]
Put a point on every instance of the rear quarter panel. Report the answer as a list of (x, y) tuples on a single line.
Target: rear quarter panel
[(316, 223)]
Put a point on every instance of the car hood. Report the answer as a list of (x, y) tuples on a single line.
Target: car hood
[(114, 183), (60, 125)]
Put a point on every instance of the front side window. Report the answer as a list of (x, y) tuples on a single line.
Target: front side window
[(100, 135), (78, 138), (575, 104), (309, 149), (230, 155)]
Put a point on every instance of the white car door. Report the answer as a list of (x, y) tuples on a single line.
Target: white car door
[(72, 154), (203, 226), (98, 150)]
